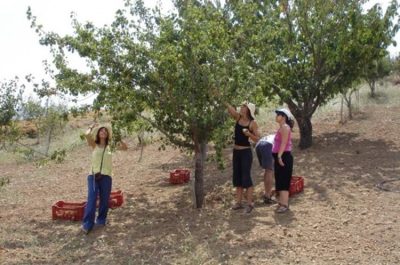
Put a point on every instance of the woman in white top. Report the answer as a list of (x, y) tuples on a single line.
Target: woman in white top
[(264, 155)]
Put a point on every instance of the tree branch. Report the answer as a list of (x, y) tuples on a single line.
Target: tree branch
[(30, 148), (170, 137)]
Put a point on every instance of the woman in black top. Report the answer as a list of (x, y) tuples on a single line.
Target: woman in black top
[(246, 127)]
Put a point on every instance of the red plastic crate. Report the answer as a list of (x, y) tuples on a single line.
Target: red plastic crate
[(296, 185), (68, 210), (175, 178), (185, 173), (116, 199), (179, 176)]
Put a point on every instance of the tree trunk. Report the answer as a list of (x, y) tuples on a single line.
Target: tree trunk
[(48, 139), (358, 100), (37, 135), (200, 156), (341, 110), (305, 127), (49, 130), (372, 87), (303, 117), (140, 137), (350, 107)]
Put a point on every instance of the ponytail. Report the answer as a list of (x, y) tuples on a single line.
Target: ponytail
[(290, 123)]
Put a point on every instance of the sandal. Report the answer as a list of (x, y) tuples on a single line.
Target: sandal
[(282, 208), (249, 208), (237, 206)]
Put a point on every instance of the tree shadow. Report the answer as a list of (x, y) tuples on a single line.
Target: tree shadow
[(340, 158), (147, 231), (181, 161), (150, 229)]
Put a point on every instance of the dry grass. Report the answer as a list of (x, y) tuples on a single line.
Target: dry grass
[(340, 218)]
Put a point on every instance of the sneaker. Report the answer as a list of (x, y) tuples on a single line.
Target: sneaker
[(237, 206), (97, 225), (249, 208), (84, 230), (268, 200)]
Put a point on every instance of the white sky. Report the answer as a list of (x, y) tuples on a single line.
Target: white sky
[(20, 52)]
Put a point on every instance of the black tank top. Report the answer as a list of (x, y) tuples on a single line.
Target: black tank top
[(240, 138)]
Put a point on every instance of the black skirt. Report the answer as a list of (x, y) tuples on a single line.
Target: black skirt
[(242, 160), (283, 174)]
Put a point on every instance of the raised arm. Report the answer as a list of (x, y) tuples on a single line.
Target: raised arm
[(89, 138), (232, 111)]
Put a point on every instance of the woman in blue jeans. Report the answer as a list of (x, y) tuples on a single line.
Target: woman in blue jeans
[(99, 181)]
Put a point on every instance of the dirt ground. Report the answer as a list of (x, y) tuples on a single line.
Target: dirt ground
[(340, 218)]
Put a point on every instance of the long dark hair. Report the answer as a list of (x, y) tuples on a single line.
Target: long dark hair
[(97, 141), (290, 123), (249, 114)]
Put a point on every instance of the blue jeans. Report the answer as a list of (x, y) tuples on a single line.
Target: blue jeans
[(102, 188)]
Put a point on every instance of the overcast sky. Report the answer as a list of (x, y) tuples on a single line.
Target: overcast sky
[(20, 52)]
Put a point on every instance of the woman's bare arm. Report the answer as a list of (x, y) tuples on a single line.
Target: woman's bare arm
[(89, 138), (253, 134), (232, 111), (285, 137)]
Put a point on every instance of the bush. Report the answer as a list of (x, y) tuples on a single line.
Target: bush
[(4, 181)]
